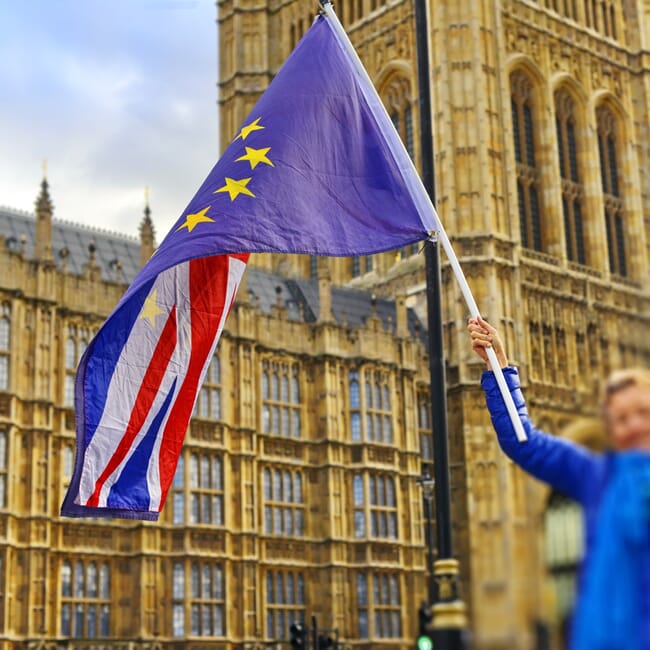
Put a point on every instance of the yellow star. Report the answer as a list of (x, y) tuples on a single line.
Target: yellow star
[(249, 128), (150, 309), (191, 220), (256, 156), (235, 187)]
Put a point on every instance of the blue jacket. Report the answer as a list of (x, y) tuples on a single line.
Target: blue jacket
[(585, 476)]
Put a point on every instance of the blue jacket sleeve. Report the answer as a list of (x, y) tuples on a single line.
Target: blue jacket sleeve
[(567, 467)]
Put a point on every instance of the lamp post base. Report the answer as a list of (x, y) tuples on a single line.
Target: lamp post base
[(449, 625)]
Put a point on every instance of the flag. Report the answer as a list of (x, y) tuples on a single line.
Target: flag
[(314, 169)]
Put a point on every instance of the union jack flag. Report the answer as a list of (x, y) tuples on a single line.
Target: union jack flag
[(137, 384)]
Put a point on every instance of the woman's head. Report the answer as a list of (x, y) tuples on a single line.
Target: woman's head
[(626, 408)]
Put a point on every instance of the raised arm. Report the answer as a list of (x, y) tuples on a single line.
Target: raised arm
[(569, 468)]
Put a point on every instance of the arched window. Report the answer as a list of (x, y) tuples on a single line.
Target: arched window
[(374, 502), (206, 489), (5, 341), (378, 607), (3, 469), (178, 600), (285, 602), (370, 420), (528, 174), (609, 174), (85, 599), (76, 342), (572, 188), (206, 599), (284, 508), (208, 400), (396, 95), (281, 407)]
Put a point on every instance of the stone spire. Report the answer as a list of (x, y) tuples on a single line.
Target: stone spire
[(147, 233), (44, 210)]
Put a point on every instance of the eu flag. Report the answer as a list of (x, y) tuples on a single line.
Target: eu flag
[(313, 169)]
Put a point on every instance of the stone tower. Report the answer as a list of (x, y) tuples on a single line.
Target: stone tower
[(541, 132)]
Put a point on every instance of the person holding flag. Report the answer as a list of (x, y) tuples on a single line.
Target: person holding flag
[(612, 611)]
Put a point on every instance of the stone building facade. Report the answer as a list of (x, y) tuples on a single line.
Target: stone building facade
[(296, 494), (540, 112)]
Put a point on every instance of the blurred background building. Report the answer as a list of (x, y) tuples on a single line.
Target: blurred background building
[(297, 492)]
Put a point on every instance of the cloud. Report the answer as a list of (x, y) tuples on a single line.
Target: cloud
[(116, 96)]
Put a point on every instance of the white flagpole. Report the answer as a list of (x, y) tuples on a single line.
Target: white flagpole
[(423, 200)]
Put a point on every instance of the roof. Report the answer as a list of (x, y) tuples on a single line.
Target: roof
[(118, 257)]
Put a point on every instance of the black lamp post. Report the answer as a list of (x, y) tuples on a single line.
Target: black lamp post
[(427, 483), (448, 610)]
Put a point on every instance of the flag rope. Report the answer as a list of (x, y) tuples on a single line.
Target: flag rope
[(414, 182)]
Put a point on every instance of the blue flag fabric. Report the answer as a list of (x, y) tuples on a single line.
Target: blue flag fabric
[(316, 168), (312, 170)]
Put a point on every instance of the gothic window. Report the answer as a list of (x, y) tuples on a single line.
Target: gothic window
[(357, 10), (614, 222), (572, 188), (198, 599), (281, 407), (205, 473), (76, 343), (284, 505), (378, 606), (178, 600), (528, 174), (85, 599), (355, 405), (378, 424), (206, 599), (297, 30), (563, 549), (612, 21), (396, 95), (375, 506), (600, 15), (293, 35), (370, 407), (208, 402), (567, 8), (178, 493), (3, 469), (361, 265), (424, 428), (285, 602), (67, 464), (5, 340)]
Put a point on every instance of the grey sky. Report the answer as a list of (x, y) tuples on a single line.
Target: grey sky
[(116, 95)]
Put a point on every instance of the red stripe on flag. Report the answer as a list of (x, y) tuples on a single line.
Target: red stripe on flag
[(209, 277), (146, 394)]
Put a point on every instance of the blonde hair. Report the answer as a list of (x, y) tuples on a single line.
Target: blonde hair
[(619, 380)]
